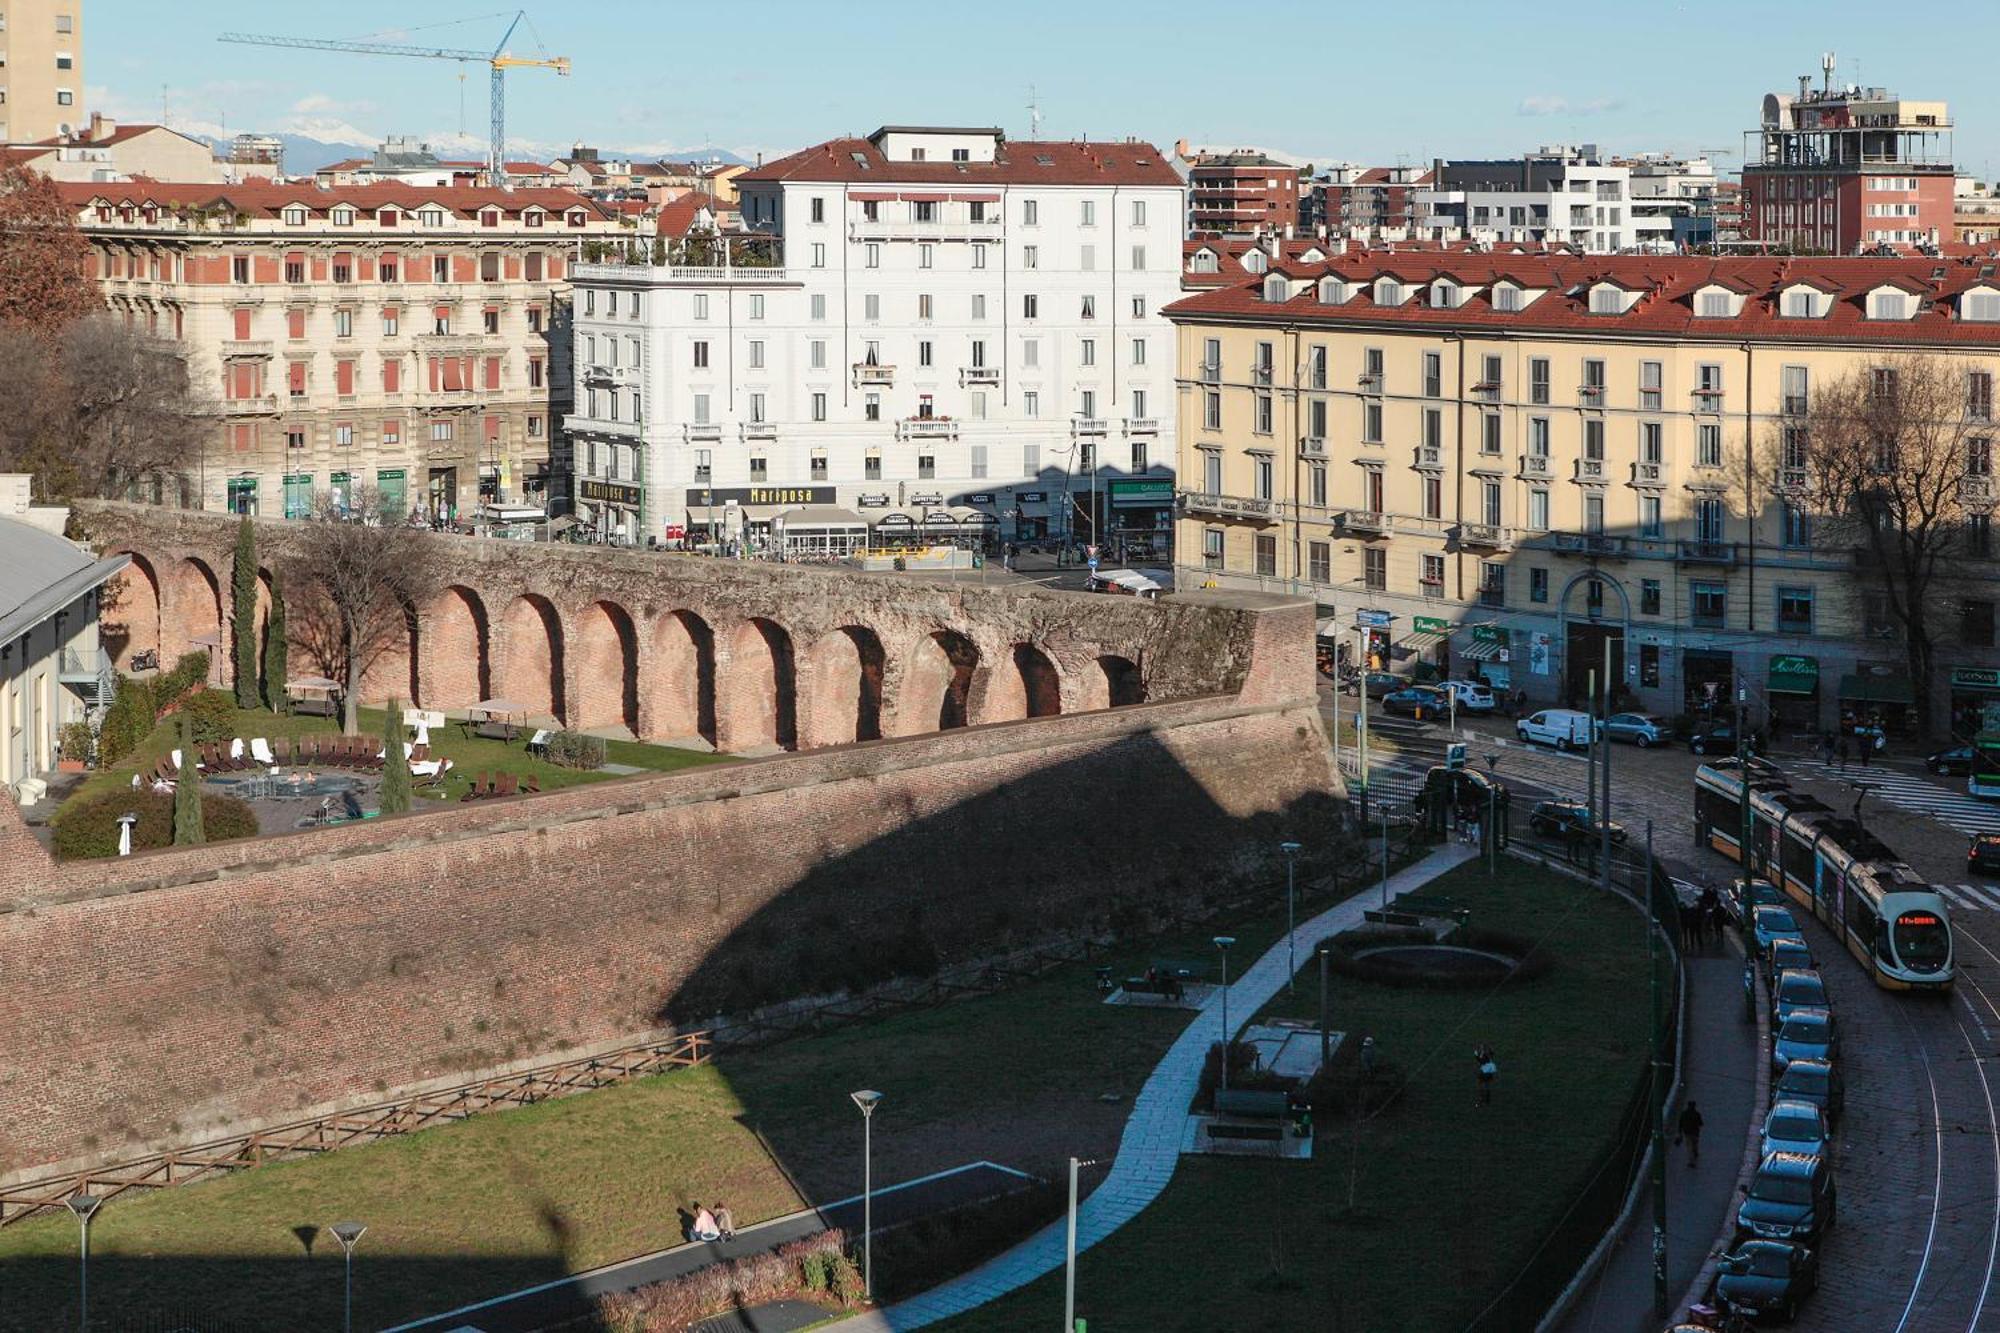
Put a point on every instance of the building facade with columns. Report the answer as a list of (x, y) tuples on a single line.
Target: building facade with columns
[(412, 340), (1522, 458)]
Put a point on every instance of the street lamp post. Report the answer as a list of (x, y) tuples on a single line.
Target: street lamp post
[(1291, 851), (867, 1099), (1222, 943), (1325, 1038), (1069, 1253), (83, 1205), (348, 1233)]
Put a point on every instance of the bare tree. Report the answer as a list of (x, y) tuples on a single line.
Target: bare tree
[(1894, 462), (99, 413), (356, 572)]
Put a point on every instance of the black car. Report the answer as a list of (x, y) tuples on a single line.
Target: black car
[(1765, 1278), (1790, 1198), (1955, 762), (1418, 701), (1561, 818), (1720, 738), (1982, 854)]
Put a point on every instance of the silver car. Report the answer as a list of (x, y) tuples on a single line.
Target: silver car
[(1795, 1126), (1807, 1035), (1641, 729)]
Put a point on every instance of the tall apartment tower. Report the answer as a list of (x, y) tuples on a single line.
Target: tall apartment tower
[(41, 69), (1847, 169)]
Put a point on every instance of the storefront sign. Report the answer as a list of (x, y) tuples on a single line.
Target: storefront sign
[(1975, 678), (1430, 625), (873, 500), (1032, 497), (1145, 494), (1372, 619), (610, 492), (703, 497), (1488, 634), (1794, 674), (980, 498), (926, 497)]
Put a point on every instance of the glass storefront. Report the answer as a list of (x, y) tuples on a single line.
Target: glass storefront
[(243, 495), (394, 487), (1973, 691), (1793, 690), (298, 494)]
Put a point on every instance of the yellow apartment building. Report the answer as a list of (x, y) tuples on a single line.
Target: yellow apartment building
[(1519, 459)]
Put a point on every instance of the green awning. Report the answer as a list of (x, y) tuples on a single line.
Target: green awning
[(1867, 689), (1793, 674)]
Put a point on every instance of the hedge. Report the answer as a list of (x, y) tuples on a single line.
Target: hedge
[(90, 828)]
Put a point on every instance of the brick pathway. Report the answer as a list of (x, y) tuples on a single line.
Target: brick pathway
[(1150, 1148)]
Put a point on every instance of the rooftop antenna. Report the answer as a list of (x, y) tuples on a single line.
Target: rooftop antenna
[(1827, 62), (1034, 115)]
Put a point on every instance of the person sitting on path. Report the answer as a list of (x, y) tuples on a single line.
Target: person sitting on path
[(725, 1221), (1689, 1126), (704, 1228)]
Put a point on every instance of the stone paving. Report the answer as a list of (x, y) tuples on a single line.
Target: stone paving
[(1157, 1130)]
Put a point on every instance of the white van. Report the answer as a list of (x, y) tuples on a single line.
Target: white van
[(1563, 728)]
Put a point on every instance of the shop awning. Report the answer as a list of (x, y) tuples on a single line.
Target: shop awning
[(1870, 689), (1422, 639), (1479, 650), (821, 516), (1794, 675)]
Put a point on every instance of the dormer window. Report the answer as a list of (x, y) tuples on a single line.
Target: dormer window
[(149, 213), (343, 216), (1507, 298), (431, 217), (295, 215), (1276, 288), (1889, 305), (1255, 261), (1606, 299), (386, 217), (1388, 292), (489, 217), (1203, 262), (1801, 303), (1332, 291), (575, 217), (532, 218), (1444, 295), (1715, 303), (1981, 306)]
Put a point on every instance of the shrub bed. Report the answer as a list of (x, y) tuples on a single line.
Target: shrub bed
[(914, 1258), (90, 829), (1344, 956), (816, 1269)]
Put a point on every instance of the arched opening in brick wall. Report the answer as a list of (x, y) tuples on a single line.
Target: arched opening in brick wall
[(1110, 682), (1032, 688), (758, 698), (936, 689), (677, 699), (607, 669), (454, 667), (531, 658), (391, 668), (128, 612), (195, 612), (843, 688)]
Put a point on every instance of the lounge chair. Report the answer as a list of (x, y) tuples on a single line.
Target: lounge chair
[(210, 761), (175, 760), (260, 750), (239, 755), (481, 785), (531, 785), (510, 785)]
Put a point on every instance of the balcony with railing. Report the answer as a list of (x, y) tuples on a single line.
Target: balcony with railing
[(1089, 426), (1790, 481), (1485, 536), (1142, 425), (1427, 457), (1594, 544), (1707, 400), (926, 428), (1493, 597), (694, 431), (1227, 506), (757, 430), (1977, 490), (978, 375), (1536, 466), (1313, 446), (697, 275), (248, 347), (1649, 474), (1589, 469), (1704, 552), (866, 372), (261, 404), (1365, 521), (909, 229), (74, 665)]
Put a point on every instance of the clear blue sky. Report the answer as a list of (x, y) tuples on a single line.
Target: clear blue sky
[(1329, 80)]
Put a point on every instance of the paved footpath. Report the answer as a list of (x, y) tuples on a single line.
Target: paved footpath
[(1150, 1147)]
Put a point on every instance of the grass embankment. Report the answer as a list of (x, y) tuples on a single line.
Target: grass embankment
[(470, 755), (1450, 1200), (509, 1199)]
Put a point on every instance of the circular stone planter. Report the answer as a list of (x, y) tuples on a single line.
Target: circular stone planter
[(1425, 962)]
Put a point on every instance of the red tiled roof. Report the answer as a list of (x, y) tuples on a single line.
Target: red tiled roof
[(118, 135), (1020, 162), (265, 198), (1668, 308)]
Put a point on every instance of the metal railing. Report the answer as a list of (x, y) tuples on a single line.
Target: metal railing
[(1234, 506)]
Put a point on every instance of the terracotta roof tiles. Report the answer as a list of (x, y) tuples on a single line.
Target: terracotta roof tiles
[(1020, 162)]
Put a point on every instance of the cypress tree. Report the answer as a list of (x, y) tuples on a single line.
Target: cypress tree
[(243, 614), (396, 770), (276, 650), (187, 794)]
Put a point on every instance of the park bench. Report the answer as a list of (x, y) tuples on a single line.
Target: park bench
[(1168, 986), (1249, 1113)]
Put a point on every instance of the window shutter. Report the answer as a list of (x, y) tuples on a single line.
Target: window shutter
[(296, 376), (492, 372), (242, 318), (295, 323), (343, 377), (436, 381), (392, 376), (454, 373)]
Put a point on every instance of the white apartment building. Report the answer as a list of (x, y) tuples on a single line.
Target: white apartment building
[(936, 330), (1555, 194)]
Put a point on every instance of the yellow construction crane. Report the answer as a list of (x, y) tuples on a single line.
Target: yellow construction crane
[(497, 60)]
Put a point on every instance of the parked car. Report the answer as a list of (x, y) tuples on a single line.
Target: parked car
[(1789, 953), (1955, 762), (1982, 854), (1768, 923), (1719, 738), (1762, 1278), (1792, 1126), (1641, 729), (1815, 1081), (1563, 728), (1377, 683), (1790, 1198), (1472, 696), (1559, 818), (1796, 988), (1418, 701), (1807, 1035)]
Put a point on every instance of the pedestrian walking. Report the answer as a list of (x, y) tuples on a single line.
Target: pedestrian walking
[(1488, 1069), (1689, 1126), (1866, 744), (1840, 751)]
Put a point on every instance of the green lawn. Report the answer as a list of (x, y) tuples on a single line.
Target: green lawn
[(518, 1197), (1450, 1200), (470, 755)]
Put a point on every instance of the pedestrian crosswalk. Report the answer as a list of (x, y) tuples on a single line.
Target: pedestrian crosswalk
[(1910, 792), (1970, 897)]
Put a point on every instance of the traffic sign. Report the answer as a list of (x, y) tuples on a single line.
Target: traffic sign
[(1454, 755)]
